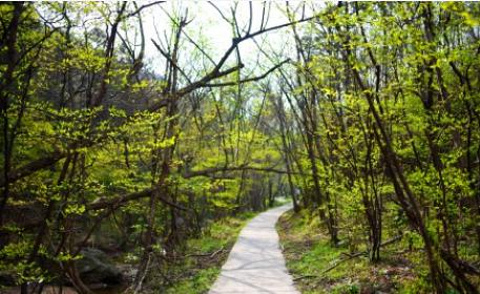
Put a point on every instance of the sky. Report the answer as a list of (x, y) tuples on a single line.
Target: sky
[(208, 27)]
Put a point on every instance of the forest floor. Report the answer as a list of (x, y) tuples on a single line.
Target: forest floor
[(318, 267)]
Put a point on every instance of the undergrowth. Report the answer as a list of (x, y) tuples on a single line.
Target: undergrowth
[(319, 267)]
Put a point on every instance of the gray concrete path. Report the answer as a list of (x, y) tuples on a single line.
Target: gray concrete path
[(256, 264)]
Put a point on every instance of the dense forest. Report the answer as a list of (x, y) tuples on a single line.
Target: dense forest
[(366, 115)]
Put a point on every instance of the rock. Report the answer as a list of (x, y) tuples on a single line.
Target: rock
[(95, 267), (129, 272), (7, 279)]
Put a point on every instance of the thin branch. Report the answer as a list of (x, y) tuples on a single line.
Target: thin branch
[(138, 10), (174, 64), (249, 79)]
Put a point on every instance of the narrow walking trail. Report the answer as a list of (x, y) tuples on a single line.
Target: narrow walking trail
[(256, 263)]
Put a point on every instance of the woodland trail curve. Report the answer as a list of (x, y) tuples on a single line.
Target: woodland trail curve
[(256, 263)]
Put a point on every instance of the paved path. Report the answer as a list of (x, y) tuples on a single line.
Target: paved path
[(256, 264)]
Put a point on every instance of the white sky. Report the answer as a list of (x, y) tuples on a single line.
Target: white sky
[(207, 25)]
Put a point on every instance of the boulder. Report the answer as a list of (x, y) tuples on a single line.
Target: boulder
[(96, 267)]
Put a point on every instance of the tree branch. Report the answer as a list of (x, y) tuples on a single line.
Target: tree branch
[(33, 166), (120, 201), (254, 79), (213, 170)]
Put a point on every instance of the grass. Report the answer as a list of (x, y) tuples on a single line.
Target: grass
[(200, 282), (309, 254)]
